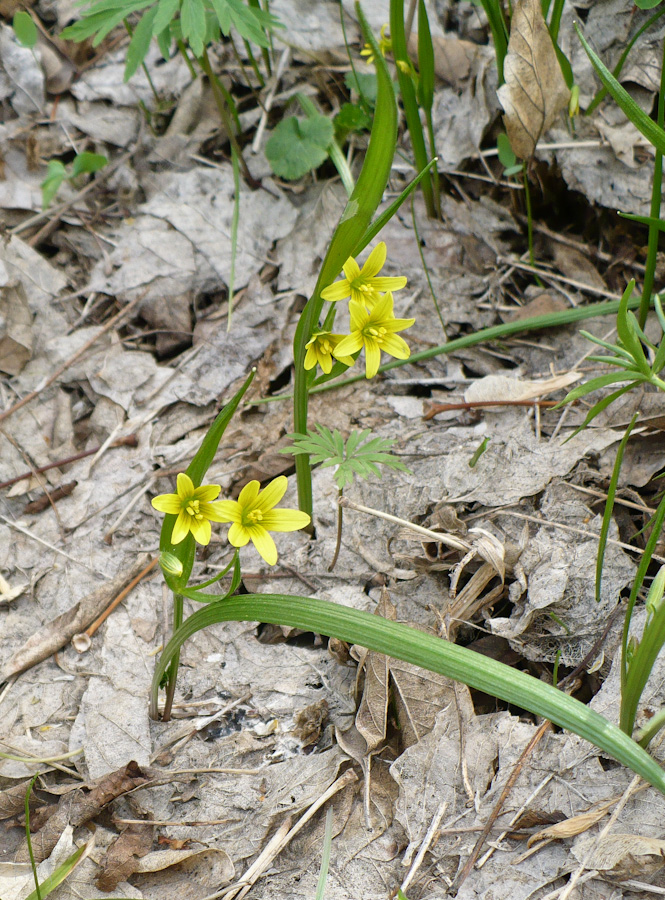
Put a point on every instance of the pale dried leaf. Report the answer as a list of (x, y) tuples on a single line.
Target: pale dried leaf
[(535, 91), (372, 714), (624, 855), (503, 387), (571, 827)]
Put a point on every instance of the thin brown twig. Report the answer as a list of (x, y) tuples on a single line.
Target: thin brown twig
[(72, 359), (496, 811), (129, 440), (91, 629)]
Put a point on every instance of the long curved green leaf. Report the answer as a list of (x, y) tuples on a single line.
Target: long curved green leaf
[(635, 113), (427, 651)]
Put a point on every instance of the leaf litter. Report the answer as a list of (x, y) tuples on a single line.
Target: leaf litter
[(267, 723)]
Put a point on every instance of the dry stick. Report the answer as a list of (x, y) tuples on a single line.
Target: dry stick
[(436, 408), (424, 847), (587, 534), (544, 273), (54, 215), (494, 815), (275, 846), (55, 634), (91, 629), (72, 359), (129, 441)]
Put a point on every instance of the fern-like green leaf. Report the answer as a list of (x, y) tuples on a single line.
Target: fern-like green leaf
[(360, 455)]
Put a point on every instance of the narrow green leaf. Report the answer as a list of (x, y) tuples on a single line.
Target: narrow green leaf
[(166, 10), (25, 29), (87, 163), (609, 506), (425, 59), (55, 175), (635, 113), (140, 42), (427, 651)]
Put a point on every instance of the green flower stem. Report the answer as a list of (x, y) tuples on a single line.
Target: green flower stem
[(224, 103), (629, 698), (648, 733), (340, 523), (656, 196), (495, 332), (424, 650), (352, 226), (409, 100), (188, 62), (130, 32), (172, 676), (616, 71)]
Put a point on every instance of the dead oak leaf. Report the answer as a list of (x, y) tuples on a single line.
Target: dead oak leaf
[(535, 91), (418, 695)]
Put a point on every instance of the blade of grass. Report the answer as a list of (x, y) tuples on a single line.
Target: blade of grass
[(409, 101), (609, 506), (429, 652), (351, 228)]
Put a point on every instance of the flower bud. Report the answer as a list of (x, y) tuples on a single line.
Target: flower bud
[(170, 564)]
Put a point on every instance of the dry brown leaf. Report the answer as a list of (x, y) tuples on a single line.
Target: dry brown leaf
[(573, 264), (419, 695), (15, 329), (123, 855), (55, 634), (621, 855), (571, 827), (371, 718), (541, 305), (502, 387), (78, 806), (535, 91)]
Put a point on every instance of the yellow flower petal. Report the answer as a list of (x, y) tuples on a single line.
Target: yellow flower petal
[(200, 528), (372, 358), (285, 520), (340, 290), (207, 492), (351, 269), (272, 494), (185, 486), (249, 493), (397, 324), (167, 503), (227, 510), (215, 510), (389, 283), (181, 527), (264, 544), (352, 343), (396, 346), (311, 358), (359, 316), (374, 262), (238, 535)]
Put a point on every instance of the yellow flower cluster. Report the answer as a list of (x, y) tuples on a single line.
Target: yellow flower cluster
[(373, 325), (252, 515)]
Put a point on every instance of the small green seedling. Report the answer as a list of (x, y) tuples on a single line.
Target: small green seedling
[(358, 455), (25, 29), (507, 157), (57, 173), (297, 146)]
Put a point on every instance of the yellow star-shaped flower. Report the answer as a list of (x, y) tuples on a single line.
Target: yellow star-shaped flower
[(252, 517), (193, 507), (320, 350), (385, 46), (362, 285), (375, 331)]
